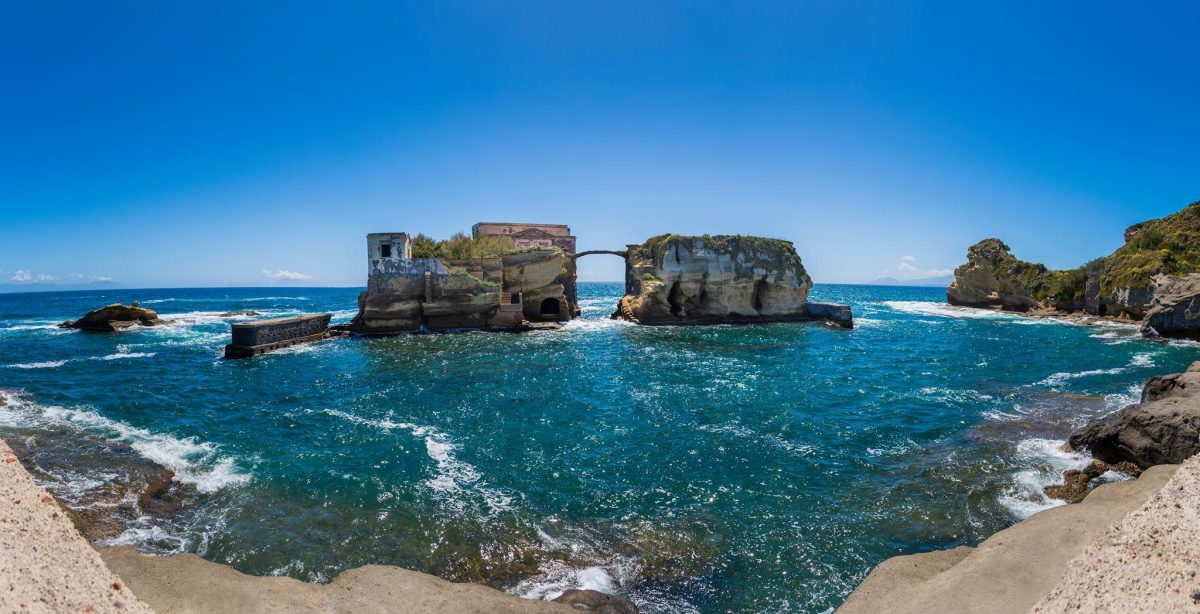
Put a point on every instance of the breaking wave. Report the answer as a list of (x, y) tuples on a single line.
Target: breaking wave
[(194, 462)]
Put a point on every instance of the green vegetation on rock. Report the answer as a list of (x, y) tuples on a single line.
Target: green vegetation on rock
[(462, 247), (769, 253), (1168, 245)]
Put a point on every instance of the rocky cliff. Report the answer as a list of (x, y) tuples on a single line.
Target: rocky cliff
[(1164, 428), (1154, 263), (673, 279)]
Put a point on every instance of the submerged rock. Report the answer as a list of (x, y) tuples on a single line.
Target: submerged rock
[(1164, 428), (230, 314), (673, 279), (116, 317), (595, 601)]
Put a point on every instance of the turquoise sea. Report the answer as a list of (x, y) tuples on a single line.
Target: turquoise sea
[(696, 469)]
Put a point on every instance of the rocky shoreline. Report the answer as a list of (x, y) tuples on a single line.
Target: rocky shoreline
[(49, 565), (1066, 558)]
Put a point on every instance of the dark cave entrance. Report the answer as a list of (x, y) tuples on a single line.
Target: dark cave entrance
[(549, 307)]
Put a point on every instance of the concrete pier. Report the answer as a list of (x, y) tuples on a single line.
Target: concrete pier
[(262, 336)]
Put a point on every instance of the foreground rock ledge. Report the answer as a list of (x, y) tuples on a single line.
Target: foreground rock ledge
[(1012, 570), (719, 279)]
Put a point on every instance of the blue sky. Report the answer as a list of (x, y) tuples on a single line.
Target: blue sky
[(196, 144)]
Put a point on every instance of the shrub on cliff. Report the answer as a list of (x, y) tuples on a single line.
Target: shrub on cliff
[(1168, 245), (462, 247)]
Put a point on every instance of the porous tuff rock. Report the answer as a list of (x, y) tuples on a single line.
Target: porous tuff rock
[(993, 278), (714, 279), (1175, 311), (1164, 428), (116, 317)]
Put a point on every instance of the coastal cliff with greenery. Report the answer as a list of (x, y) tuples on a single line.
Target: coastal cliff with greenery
[(1123, 284)]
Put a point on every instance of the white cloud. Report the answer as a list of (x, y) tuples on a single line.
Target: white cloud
[(101, 278), (44, 277), (284, 274), (22, 277), (907, 258), (908, 271)]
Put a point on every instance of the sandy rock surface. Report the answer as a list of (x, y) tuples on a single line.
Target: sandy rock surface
[(45, 564), (1147, 562), (1010, 571)]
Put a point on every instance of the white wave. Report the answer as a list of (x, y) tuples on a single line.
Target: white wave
[(1059, 379), (454, 477), (1047, 460), (194, 462), (276, 298), (595, 324), (120, 355), (50, 364), (943, 310), (557, 578), (869, 323), (950, 395), (1143, 359)]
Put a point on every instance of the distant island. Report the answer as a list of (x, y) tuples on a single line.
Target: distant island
[(921, 282)]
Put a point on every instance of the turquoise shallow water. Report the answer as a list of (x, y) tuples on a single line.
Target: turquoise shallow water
[(696, 469)]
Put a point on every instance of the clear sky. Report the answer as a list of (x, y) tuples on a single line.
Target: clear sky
[(208, 143)]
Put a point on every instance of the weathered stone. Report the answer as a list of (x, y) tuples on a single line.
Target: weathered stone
[(1163, 429), (1175, 310), (1074, 488), (261, 336), (717, 279), (993, 278), (497, 292), (116, 317), (595, 601)]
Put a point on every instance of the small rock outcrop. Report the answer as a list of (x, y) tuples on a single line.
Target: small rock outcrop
[(597, 602), (1164, 428), (993, 278), (116, 317), (1077, 483), (673, 279)]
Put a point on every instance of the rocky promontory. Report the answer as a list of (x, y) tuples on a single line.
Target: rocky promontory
[(673, 279), (1154, 278), (116, 317)]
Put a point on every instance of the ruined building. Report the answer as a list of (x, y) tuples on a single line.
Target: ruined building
[(506, 292), (529, 236)]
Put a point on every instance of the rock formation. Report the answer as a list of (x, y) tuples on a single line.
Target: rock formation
[(993, 278), (1152, 271), (500, 292), (1164, 428), (116, 317), (673, 279), (1175, 310)]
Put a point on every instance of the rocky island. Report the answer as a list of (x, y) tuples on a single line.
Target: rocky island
[(673, 279), (116, 317), (1154, 278)]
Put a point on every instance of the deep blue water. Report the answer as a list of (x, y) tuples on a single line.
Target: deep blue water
[(748, 469)]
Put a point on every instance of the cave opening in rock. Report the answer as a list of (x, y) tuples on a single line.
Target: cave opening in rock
[(549, 307), (673, 300), (760, 288)]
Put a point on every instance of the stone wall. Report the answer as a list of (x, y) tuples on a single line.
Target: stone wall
[(252, 338)]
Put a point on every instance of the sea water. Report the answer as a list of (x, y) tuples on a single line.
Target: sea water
[(694, 469)]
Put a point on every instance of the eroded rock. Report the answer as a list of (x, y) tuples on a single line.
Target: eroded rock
[(595, 601), (718, 279), (116, 317), (1164, 428)]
